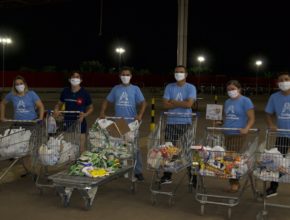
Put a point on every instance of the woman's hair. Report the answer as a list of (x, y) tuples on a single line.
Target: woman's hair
[(235, 83), (14, 91)]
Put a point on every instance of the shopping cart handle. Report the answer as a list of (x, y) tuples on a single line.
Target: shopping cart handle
[(180, 113), (116, 117), (21, 121), (231, 129), (279, 129), (67, 112)]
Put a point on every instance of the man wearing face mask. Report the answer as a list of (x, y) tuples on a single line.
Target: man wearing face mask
[(178, 98), (126, 97), (76, 98), (278, 109)]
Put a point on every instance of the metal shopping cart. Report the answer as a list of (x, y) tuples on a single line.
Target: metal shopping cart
[(273, 165), (112, 155), (169, 151), (17, 140), (224, 155), (58, 146)]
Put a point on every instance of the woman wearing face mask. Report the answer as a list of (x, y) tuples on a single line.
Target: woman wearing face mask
[(126, 98), (76, 98), (277, 110), (25, 102), (239, 113)]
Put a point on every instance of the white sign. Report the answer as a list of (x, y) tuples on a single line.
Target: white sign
[(214, 112)]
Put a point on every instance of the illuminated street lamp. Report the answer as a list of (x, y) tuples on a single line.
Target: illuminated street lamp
[(258, 64), (4, 41), (120, 51), (200, 60)]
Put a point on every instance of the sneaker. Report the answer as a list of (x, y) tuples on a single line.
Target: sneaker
[(139, 177), (270, 192), (166, 180)]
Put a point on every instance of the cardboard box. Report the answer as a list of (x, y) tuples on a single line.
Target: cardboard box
[(118, 128)]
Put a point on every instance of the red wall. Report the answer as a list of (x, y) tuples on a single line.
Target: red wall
[(58, 79)]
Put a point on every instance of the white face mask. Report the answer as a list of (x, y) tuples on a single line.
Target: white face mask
[(20, 88), (75, 81), (284, 86), (179, 76), (125, 79), (233, 93)]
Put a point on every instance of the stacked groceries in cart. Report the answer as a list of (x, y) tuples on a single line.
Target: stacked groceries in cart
[(14, 143), (107, 149)]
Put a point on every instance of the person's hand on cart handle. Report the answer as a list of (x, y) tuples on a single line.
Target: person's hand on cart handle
[(82, 115), (4, 119), (102, 115), (138, 118), (273, 128), (56, 113), (244, 130)]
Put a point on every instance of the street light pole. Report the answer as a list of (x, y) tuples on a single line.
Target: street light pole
[(120, 51), (200, 60), (4, 41), (258, 64)]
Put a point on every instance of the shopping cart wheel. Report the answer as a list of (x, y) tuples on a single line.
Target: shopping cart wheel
[(153, 199), (133, 188), (171, 201), (229, 213), (65, 200), (202, 209), (88, 203), (40, 191), (262, 215)]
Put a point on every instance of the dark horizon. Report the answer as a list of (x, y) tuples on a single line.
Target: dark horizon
[(230, 35)]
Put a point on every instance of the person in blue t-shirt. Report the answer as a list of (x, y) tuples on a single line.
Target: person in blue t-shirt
[(239, 114), (178, 97), (25, 102), (76, 98), (126, 97), (278, 109)]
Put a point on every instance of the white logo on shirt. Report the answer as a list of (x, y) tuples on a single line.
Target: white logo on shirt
[(230, 113), (179, 97), (21, 106), (285, 113), (123, 100)]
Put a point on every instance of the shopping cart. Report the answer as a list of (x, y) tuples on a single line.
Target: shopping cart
[(105, 149), (273, 165), (169, 151), (17, 140), (224, 155), (58, 146)]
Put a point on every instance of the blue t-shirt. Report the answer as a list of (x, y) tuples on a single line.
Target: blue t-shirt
[(24, 106), (180, 93), (235, 111), (279, 105), (125, 99)]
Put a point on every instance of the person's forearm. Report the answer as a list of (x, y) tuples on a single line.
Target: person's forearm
[(2, 110), (89, 111), (104, 107), (182, 104), (269, 120), (41, 113), (142, 109)]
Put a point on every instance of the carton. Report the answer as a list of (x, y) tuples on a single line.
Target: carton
[(118, 128)]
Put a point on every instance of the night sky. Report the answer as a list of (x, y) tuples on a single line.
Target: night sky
[(230, 35)]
